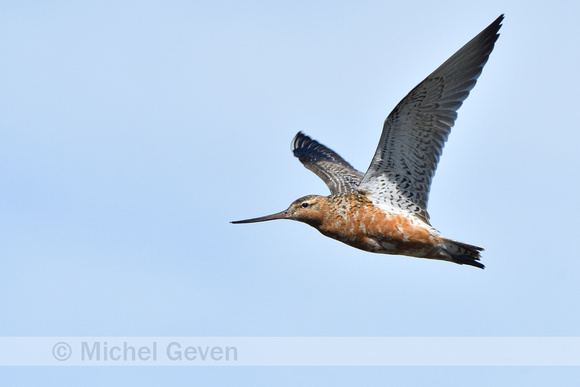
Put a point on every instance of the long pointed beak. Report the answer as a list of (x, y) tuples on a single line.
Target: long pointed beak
[(278, 215)]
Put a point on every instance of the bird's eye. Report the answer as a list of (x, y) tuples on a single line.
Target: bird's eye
[(305, 204)]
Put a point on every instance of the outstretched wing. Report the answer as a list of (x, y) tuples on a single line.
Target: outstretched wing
[(338, 175), (400, 174)]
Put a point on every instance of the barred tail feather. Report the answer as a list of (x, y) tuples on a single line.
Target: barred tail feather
[(462, 253)]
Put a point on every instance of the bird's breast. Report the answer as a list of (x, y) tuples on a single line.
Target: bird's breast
[(360, 224)]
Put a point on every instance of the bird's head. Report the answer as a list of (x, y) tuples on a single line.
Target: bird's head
[(308, 209)]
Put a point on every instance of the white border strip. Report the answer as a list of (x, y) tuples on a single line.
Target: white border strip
[(289, 351)]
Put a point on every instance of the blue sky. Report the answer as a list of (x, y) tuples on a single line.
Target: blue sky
[(133, 132)]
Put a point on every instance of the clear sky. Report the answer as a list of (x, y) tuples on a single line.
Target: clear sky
[(132, 132)]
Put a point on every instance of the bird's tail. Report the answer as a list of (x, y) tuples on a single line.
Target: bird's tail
[(462, 253)]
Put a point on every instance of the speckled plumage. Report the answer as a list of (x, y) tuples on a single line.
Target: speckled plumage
[(385, 209)]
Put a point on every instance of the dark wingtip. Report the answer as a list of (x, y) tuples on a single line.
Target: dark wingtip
[(299, 141), (496, 24)]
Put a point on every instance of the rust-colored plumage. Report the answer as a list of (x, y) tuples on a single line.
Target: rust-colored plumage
[(385, 209)]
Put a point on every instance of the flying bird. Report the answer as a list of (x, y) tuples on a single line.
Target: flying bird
[(385, 209)]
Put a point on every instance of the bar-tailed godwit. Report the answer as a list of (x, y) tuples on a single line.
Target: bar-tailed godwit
[(385, 209)]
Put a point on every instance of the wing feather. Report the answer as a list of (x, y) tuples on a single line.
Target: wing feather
[(415, 132), (338, 175)]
